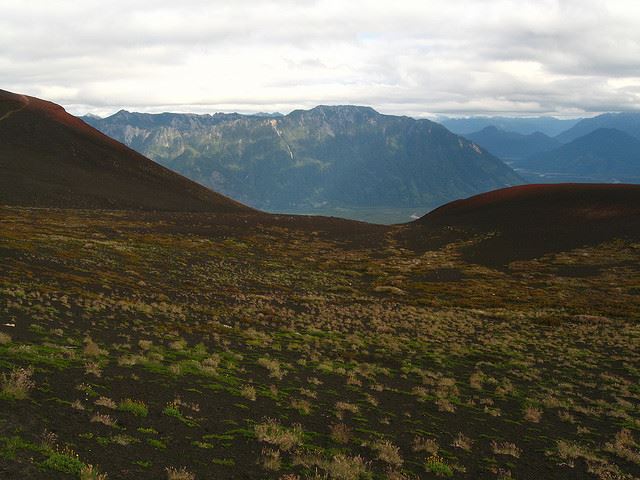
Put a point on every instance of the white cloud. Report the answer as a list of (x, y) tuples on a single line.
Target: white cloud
[(410, 57)]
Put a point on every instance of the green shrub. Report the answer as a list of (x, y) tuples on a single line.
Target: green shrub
[(65, 461), (138, 408), (436, 465)]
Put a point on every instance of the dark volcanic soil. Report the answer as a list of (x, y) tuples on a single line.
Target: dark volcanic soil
[(532, 220)]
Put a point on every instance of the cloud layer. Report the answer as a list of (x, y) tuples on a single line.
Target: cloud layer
[(459, 57)]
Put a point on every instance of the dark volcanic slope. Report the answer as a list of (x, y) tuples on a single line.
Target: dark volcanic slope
[(531, 220), (50, 158)]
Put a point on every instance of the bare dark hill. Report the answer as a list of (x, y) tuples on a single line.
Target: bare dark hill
[(529, 221), (49, 158)]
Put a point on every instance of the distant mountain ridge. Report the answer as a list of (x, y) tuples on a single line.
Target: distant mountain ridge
[(512, 146), (49, 158), (604, 155), (550, 126), (628, 122), (327, 157)]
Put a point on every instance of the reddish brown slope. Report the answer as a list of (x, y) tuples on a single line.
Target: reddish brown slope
[(531, 220), (52, 159)]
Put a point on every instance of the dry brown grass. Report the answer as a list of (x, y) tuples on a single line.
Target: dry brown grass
[(248, 392), (270, 431), (340, 433), (462, 442), (388, 452), (428, 445), (533, 415), (270, 459), (17, 384), (106, 402), (505, 448), (179, 474), (103, 419)]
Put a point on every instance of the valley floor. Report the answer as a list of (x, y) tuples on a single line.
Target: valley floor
[(145, 345)]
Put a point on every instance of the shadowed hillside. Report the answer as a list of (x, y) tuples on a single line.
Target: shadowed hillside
[(531, 220), (50, 158)]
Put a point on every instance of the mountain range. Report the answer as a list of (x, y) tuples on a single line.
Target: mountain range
[(603, 155), (605, 148), (628, 122), (512, 146), (550, 126), (328, 159)]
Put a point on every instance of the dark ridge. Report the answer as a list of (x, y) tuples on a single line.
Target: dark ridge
[(49, 158), (529, 221)]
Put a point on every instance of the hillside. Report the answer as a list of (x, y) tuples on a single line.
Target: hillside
[(532, 220), (628, 122), (173, 345), (49, 158), (604, 155), (512, 146), (327, 158)]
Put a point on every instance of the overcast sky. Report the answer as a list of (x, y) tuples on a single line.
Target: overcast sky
[(420, 58)]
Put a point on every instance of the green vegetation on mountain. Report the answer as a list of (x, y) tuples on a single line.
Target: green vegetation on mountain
[(326, 158)]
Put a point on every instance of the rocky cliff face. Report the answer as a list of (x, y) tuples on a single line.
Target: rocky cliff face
[(326, 157)]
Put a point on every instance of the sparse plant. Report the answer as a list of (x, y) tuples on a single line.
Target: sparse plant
[(505, 448), (103, 419), (344, 467), (340, 433), (388, 452), (270, 459), (64, 461), (91, 348), (532, 414), (463, 442), (106, 402), (444, 405), (273, 365), (427, 445), (248, 392), (437, 465), (625, 446), (89, 472), (270, 431), (179, 474), (301, 405), (17, 384), (137, 407), (93, 368), (346, 407), (48, 440)]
